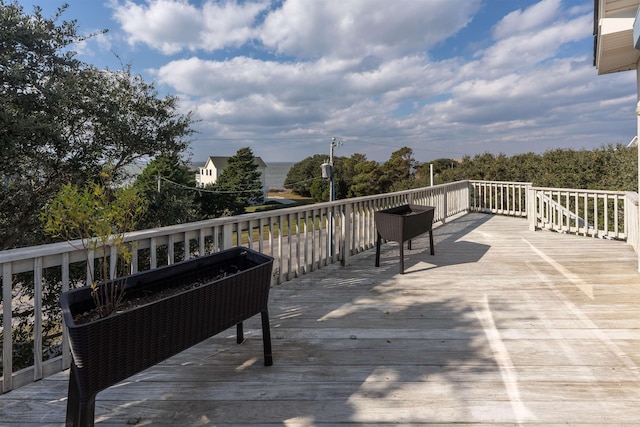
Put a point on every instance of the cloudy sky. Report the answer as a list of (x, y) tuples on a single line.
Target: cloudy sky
[(447, 78)]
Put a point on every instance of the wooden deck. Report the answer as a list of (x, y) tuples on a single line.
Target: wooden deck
[(502, 326)]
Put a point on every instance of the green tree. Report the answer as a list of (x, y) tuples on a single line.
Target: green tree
[(303, 174), (240, 183), (319, 190), (397, 172), (422, 175), (62, 119), (211, 203), (175, 202), (606, 168), (367, 180)]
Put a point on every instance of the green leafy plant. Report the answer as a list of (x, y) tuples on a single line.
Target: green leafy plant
[(98, 216)]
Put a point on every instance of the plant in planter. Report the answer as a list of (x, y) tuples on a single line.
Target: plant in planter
[(197, 298), (98, 216)]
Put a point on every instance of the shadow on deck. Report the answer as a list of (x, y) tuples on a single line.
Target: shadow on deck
[(501, 326)]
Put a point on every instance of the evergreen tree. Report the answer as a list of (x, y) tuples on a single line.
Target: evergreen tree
[(367, 180), (397, 172), (240, 184)]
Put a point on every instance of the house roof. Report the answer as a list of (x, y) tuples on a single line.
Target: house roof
[(220, 162), (613, 48)]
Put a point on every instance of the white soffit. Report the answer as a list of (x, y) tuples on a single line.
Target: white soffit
[(614, 45)]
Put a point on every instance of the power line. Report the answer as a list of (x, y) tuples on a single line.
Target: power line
[(202, 190)]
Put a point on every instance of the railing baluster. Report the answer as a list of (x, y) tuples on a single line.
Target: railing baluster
[(7, 328), (66, 351), (37, 319)]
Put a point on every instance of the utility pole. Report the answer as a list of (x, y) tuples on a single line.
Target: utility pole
[(332, 189), (327, 172)]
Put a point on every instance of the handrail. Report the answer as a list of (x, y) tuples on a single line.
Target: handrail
[(301, 239)]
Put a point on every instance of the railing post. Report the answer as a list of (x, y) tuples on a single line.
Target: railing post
[(347, 223), (7, 321), (530, 203), (227, 236), (37, 318), (445, 208)]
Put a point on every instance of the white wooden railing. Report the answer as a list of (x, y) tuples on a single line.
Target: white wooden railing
[(301, 240), (592, 213), (499, 197)]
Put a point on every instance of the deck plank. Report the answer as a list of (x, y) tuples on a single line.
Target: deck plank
[(502, 326)]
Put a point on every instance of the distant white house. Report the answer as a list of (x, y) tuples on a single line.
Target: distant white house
[(213, 167)]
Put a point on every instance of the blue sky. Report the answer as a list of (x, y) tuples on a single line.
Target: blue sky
[(446, 78)]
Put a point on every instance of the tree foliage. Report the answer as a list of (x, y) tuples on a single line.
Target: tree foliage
[(98, 215), (353, 176), (175, 201), (303, 174), (398, 171), (607, 168), (61, 119), (238, 187)]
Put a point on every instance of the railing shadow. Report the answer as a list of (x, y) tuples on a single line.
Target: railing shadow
[(450, 246), (345, 351)]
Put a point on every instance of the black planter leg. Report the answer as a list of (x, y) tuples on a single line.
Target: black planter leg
[(431, 242), (239, 333), (409, 245), (378, 250), (87, 412), (73, 400), (266, 338), (401, 258)]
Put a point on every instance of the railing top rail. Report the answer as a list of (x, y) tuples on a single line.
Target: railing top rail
[(579, 190), (479, 181)]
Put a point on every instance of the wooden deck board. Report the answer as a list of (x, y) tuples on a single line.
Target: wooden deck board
[(502, 326)]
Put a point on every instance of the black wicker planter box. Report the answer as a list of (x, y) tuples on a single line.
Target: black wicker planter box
[(111, 349), (401, 224)]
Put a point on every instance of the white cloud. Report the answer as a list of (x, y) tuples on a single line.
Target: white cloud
[(527, 48), (362, 69), (536, 16), (171, 26), (360, 28)]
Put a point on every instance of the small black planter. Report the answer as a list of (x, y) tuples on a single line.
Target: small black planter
[(111, 349), (403, 223)]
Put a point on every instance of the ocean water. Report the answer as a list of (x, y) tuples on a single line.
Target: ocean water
[(276, 173)]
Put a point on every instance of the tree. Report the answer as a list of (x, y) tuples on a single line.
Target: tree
[(398, 170), (62, 119), (175, 202), (422, 175), (302, 175), (367, 179), (608, 168), (240, 183)]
